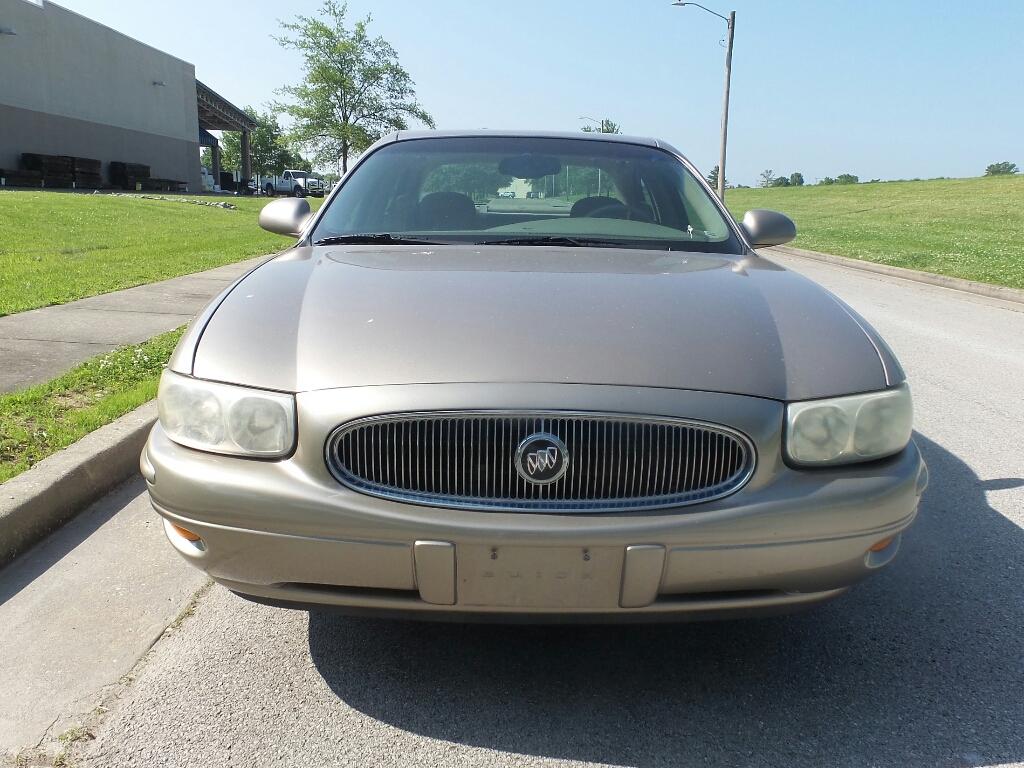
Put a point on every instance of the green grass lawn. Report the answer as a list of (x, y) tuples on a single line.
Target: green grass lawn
[(969, 228), (57, 247), (41, 420)]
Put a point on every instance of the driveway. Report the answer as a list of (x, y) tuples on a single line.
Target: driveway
[(921, 666)]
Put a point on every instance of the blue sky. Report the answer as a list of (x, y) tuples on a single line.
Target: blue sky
[(901, 89)]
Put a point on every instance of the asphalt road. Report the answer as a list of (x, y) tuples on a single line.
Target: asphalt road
[(921, 666)]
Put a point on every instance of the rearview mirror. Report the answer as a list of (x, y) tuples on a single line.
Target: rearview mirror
[(765, 228), (286, 216)]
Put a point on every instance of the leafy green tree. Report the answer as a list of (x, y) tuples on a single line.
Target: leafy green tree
[(827, 180), (295, 161), (780, 181), (268, 148), (353, 89), (606, 126), (847, 178), (767, 177), (796, 179), (712, 178), (1004, 168), (206, 158)]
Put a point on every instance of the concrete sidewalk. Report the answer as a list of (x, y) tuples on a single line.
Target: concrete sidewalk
[(79, 610), (40, 344)]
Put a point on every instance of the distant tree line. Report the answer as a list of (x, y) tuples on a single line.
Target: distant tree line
[(842, 178), (768, 178)]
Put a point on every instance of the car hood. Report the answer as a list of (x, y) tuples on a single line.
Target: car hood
[(345, 316)]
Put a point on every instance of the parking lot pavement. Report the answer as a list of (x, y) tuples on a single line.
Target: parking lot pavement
[(923, 665), (41, 344)]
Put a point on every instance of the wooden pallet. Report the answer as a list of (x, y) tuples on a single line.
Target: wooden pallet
[(21, 178)]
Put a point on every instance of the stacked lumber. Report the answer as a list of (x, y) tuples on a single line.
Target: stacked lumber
[(166, 185), (12, 177), (128, 175), (58, 171), (135, 176), (87, 173)]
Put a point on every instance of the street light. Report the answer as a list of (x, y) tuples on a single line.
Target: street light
[(730, 20)]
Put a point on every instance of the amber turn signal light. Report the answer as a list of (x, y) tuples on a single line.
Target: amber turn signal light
[(186, 533), (879, 546)]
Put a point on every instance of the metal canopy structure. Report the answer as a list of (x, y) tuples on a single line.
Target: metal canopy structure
[(218, 114), (206, 139)]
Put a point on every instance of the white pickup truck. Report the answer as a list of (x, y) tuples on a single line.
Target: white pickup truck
[(293, 184)]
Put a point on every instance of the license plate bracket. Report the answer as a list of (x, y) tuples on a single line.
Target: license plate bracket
[(546, 578)]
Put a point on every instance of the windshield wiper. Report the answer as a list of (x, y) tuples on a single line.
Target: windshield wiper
[(373, 238), (580, 242)]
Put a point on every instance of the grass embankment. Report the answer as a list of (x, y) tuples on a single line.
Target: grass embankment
[(969, 228), (41, 420), (57, 247)]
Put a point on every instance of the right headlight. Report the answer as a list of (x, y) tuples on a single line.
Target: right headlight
[(845, 430), (225, 418)]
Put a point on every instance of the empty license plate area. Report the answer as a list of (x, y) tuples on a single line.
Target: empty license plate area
[(538, 577)]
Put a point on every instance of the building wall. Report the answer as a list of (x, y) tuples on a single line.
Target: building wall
[(70, 86)]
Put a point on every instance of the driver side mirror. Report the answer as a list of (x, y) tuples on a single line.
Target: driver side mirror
[(286, 216), (765, 228)]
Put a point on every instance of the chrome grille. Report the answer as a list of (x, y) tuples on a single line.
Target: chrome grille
[(467, 460)]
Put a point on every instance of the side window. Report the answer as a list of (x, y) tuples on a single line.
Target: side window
[(287, 176), (701, 212)]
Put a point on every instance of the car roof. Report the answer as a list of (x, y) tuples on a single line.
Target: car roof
[(588, 136)]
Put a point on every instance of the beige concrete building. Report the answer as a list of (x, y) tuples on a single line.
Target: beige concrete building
[(71, 86)]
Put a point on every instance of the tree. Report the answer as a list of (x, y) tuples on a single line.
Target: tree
[(780, 181), (767, 176), (268, 148), (847, 178), (796, 179), (353, 89), (1004, 168), (827, 180), (607, 126), (713, 178)]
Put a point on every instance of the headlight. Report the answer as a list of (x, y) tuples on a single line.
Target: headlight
[(224, 418), (844, 430)]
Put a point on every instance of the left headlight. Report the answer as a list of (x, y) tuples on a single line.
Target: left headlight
[(226, 419), (845, 430)]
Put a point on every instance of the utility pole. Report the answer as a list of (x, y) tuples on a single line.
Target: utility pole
[(730, 21), (725, 106)]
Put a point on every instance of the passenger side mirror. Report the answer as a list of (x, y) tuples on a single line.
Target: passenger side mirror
[(287, 216), (765, 228)]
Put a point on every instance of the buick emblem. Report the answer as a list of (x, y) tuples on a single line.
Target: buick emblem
[(542, 458)]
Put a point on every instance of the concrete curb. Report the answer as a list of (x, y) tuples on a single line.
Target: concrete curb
[(954, 283), (56, 489)]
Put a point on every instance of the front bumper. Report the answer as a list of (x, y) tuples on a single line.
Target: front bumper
[(287, 532)]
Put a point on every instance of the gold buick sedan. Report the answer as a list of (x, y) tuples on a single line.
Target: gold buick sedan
[(525, 376)]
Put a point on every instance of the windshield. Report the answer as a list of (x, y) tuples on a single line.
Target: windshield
[(527, 191)]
